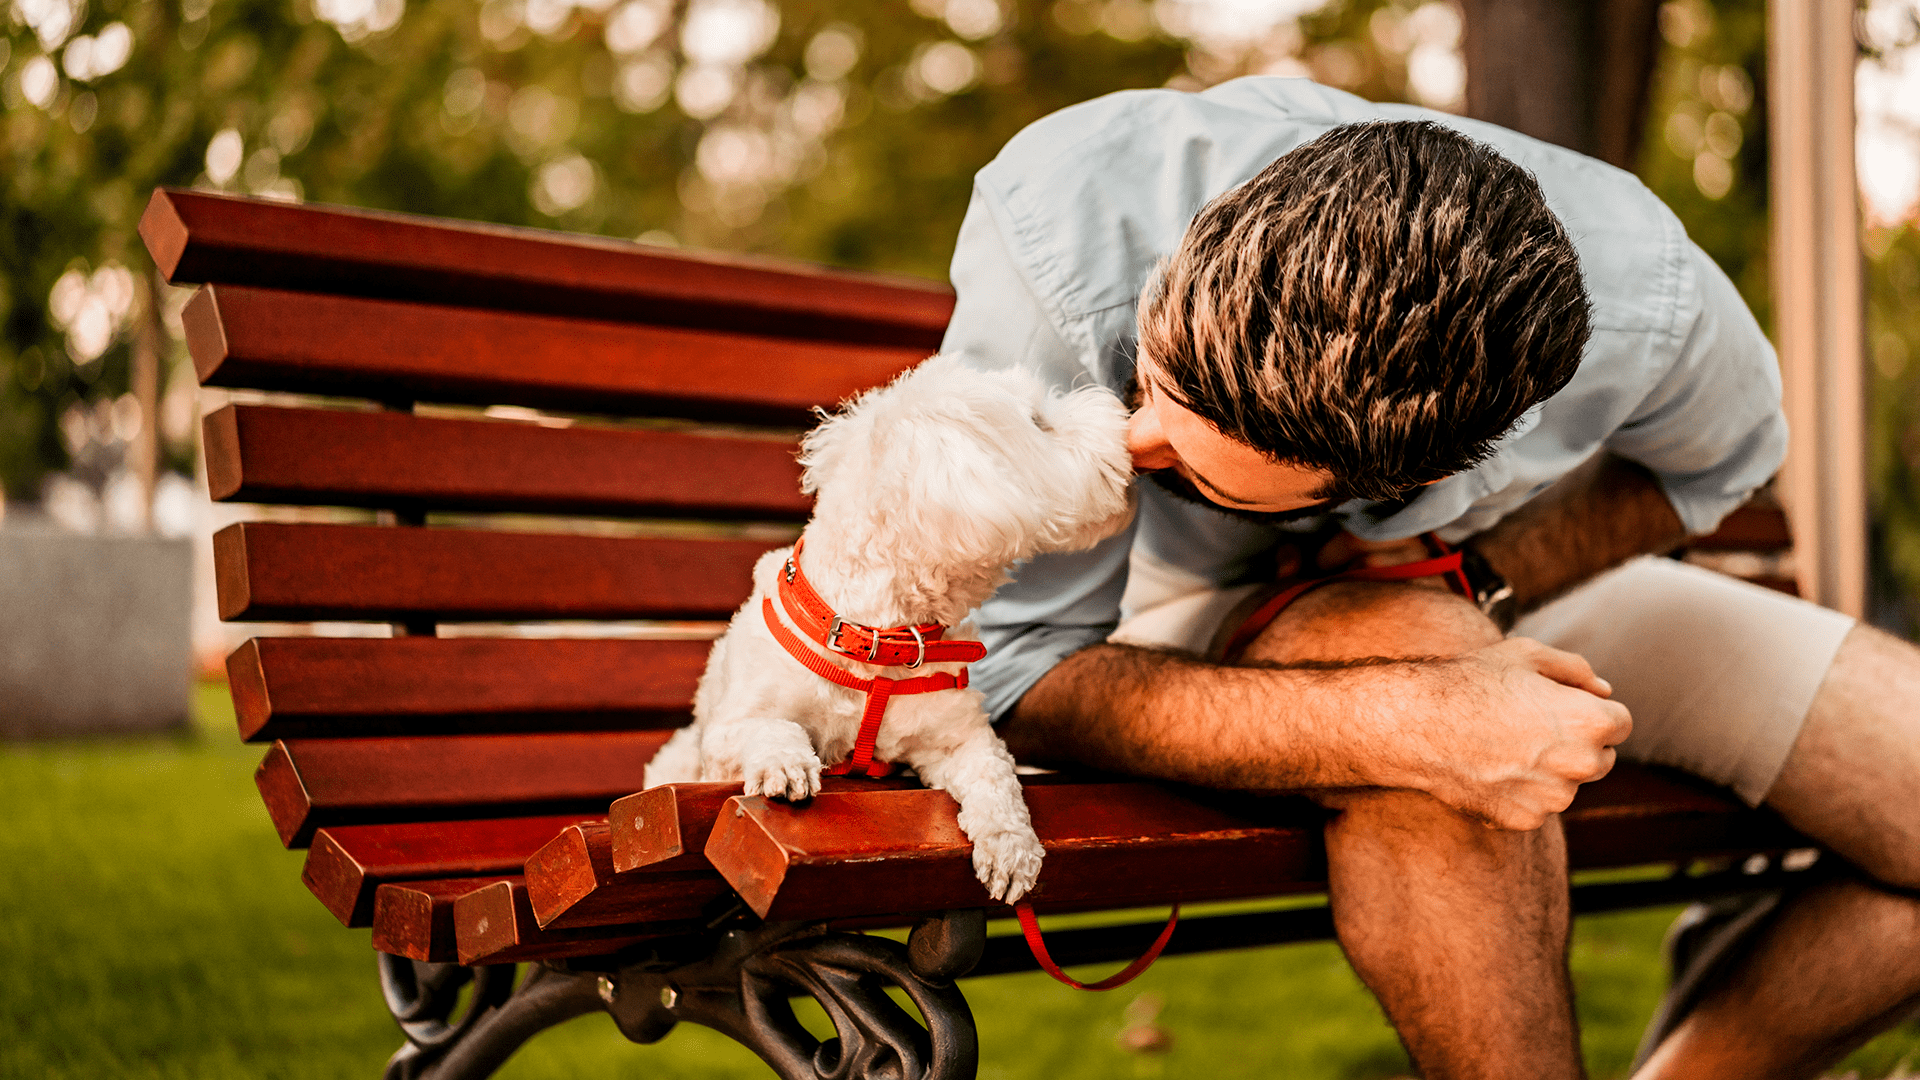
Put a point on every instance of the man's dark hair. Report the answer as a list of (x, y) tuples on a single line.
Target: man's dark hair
[(1382, 303)]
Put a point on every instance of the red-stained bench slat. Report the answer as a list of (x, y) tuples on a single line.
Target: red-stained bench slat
[(347, 863), (667, 825), (198, 237), (1128, 844), (286, 571), (338, 457), (1109, 843), (387, 350), (1753, 527), (495, 925), (311, 784), (334, 687)]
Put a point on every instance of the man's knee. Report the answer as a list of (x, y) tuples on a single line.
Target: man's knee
[(1412, 825), (1353, 620)]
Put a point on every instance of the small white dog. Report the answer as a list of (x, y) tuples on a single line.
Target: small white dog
[(927, 490)]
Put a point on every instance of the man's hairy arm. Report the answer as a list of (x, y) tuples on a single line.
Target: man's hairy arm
[(1596, 517), (1501, 732), (1505, 733)]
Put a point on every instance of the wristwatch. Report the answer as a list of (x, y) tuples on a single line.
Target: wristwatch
[(1491, 592)]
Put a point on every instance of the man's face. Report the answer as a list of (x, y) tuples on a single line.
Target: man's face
[(1191, 457)]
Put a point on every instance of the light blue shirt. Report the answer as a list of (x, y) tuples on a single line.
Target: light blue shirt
[(1068, 221)]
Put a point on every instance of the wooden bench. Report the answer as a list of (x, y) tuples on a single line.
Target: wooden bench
[(475, 801)]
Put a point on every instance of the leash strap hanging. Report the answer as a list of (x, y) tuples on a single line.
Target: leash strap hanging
[(1030, 928), (1445, 562)]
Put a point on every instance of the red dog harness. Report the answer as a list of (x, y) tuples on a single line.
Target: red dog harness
[(899, 646), (896, 646)]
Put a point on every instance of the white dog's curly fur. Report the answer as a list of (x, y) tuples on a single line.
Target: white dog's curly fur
[(927, 490)]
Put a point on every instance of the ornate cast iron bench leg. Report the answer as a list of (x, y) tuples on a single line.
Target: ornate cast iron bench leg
[(739, 982)]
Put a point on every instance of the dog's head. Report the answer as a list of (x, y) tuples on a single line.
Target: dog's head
[(954, 466)]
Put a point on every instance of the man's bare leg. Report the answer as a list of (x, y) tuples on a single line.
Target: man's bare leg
[(1843, 961), (1460, 930)]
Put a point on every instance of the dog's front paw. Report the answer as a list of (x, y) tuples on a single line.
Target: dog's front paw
[(1007, 862), (783, 774)]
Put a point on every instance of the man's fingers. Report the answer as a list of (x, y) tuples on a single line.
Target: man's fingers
[(1568, 669), (1622, 723)]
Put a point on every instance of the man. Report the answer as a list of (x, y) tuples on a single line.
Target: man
[(1389, 328)]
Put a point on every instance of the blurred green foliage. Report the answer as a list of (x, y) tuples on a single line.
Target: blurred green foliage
[(1705, 146), (1893, 346)]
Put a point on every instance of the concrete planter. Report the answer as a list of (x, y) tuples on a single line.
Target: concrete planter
[(94, 633)]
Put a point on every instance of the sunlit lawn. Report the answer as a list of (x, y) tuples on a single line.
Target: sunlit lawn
[(151, 926)]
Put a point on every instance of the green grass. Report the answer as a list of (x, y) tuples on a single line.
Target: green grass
[(151, 926)]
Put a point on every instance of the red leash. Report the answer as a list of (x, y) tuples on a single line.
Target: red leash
[(901, 646), (1445, 561), (1030, 927)]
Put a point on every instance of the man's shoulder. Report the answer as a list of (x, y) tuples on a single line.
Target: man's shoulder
[(1633, 249), (1089, 197), (1157, 123)]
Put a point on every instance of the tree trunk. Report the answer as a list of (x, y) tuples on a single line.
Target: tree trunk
[(1577, 73)]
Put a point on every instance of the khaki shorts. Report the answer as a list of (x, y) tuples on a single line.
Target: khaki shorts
[(1718, 673)]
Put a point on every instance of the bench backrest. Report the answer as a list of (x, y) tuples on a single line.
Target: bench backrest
[(415, 330)]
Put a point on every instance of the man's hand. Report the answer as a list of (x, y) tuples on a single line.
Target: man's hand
[(1516, 728)]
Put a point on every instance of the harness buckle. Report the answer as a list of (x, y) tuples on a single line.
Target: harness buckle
[(922, 643)]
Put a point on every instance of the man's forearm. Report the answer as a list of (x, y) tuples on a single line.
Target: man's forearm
[(1506, 732), (1598, 516), (1142, 711)]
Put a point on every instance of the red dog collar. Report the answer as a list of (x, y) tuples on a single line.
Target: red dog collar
[(894, 646)]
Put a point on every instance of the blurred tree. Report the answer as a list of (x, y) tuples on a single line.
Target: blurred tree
[(1573, 73)]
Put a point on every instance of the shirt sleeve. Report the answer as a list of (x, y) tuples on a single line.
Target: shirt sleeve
[(1061, 603), (1711, 429)]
